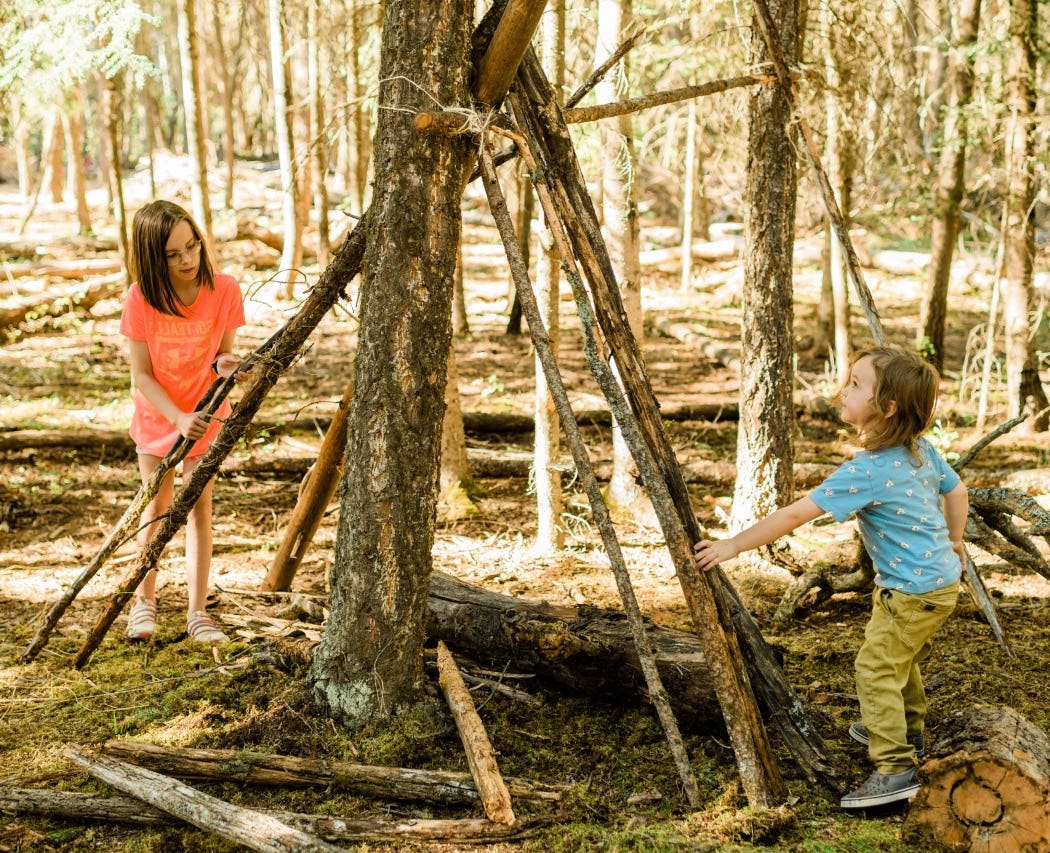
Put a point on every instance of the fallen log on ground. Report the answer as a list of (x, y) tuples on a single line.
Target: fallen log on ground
[(64, 269), (81, 298), (985, 786), (244, 826), (444, 787), (79, 807)]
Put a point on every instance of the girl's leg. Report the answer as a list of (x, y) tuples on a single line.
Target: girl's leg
[(158, 506), (198, 544)]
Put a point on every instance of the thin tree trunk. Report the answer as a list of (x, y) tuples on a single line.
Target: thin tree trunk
[(620, 216), (55, 169), (455, 481), (291, 256), (73, 125), (318, 141), (550, 536), (111, 98), (839, 153), (1023, 383), (189, 57), (950, 184), (690, 166), (460, 321), (227, 76)]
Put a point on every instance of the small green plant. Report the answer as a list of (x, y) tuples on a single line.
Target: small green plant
[(493, 385), (941, 437)]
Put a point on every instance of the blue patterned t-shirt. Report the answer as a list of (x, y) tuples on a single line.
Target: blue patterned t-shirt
[(899, 511)]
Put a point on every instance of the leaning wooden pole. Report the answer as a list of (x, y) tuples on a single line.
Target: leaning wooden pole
[(558, 167), (318, 488), (599, 509), (267, 369), (838, 223), (758, 771), (481, 757), (128, 524)]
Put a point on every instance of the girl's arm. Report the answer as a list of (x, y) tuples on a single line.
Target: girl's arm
[(956, 507), (709, 554), (189, 424)]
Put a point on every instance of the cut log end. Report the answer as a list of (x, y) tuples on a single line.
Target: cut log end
[(988, 787)]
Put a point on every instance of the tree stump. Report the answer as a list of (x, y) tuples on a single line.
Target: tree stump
[(986, 787)]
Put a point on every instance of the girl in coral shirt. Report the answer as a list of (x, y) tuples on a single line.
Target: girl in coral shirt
[(180, 319)]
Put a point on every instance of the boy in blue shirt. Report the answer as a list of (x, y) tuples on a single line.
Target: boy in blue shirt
[(911, 509)]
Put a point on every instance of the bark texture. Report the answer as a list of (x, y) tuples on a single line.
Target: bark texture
[(765, 449), (950, 181), (1022, 364), (370, 660)]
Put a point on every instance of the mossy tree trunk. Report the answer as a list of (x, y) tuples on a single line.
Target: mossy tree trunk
[(370, 659)]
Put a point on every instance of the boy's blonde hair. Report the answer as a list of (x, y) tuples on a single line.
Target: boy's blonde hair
[(905, 378)]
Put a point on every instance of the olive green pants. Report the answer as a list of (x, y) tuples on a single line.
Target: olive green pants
[(889, 684)]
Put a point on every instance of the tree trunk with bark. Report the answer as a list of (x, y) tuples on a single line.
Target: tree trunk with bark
[(619, 207), (73, 125), (292, 254), (1019, 303), (318, 141), (765, 447), (950, 183), (189, 57), (111, 109), (370, 659), (550, 537)]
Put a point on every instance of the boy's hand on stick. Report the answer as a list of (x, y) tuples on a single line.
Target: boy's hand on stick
[(709, 553)]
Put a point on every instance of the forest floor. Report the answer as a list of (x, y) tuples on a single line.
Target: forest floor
[(57, 503)]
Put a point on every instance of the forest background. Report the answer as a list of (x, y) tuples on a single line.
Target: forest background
[(937, 159)]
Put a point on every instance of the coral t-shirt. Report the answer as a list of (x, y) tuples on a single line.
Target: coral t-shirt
[(181, 350)]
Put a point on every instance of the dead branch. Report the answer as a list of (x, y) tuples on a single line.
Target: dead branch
[(129, 521), (314, 496), (243, 767), (564, 195), (128, 810), (245, 826), (495, 798), (84, 297), (63, 269), (633, 105)]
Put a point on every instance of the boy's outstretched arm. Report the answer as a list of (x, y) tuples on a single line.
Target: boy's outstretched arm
[(709, 553)]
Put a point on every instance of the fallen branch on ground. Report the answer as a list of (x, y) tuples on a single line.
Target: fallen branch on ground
[(243, 767)]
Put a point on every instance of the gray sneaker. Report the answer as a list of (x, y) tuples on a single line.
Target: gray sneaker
[(860, 735), (878, 790)]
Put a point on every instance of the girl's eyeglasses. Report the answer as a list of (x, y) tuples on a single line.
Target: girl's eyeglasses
[(190, 252)]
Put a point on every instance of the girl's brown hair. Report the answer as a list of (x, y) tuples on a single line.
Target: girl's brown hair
[(902, 377), (150, 230)]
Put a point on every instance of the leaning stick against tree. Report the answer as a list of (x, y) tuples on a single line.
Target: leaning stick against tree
[(128, 525), (599, 509)]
